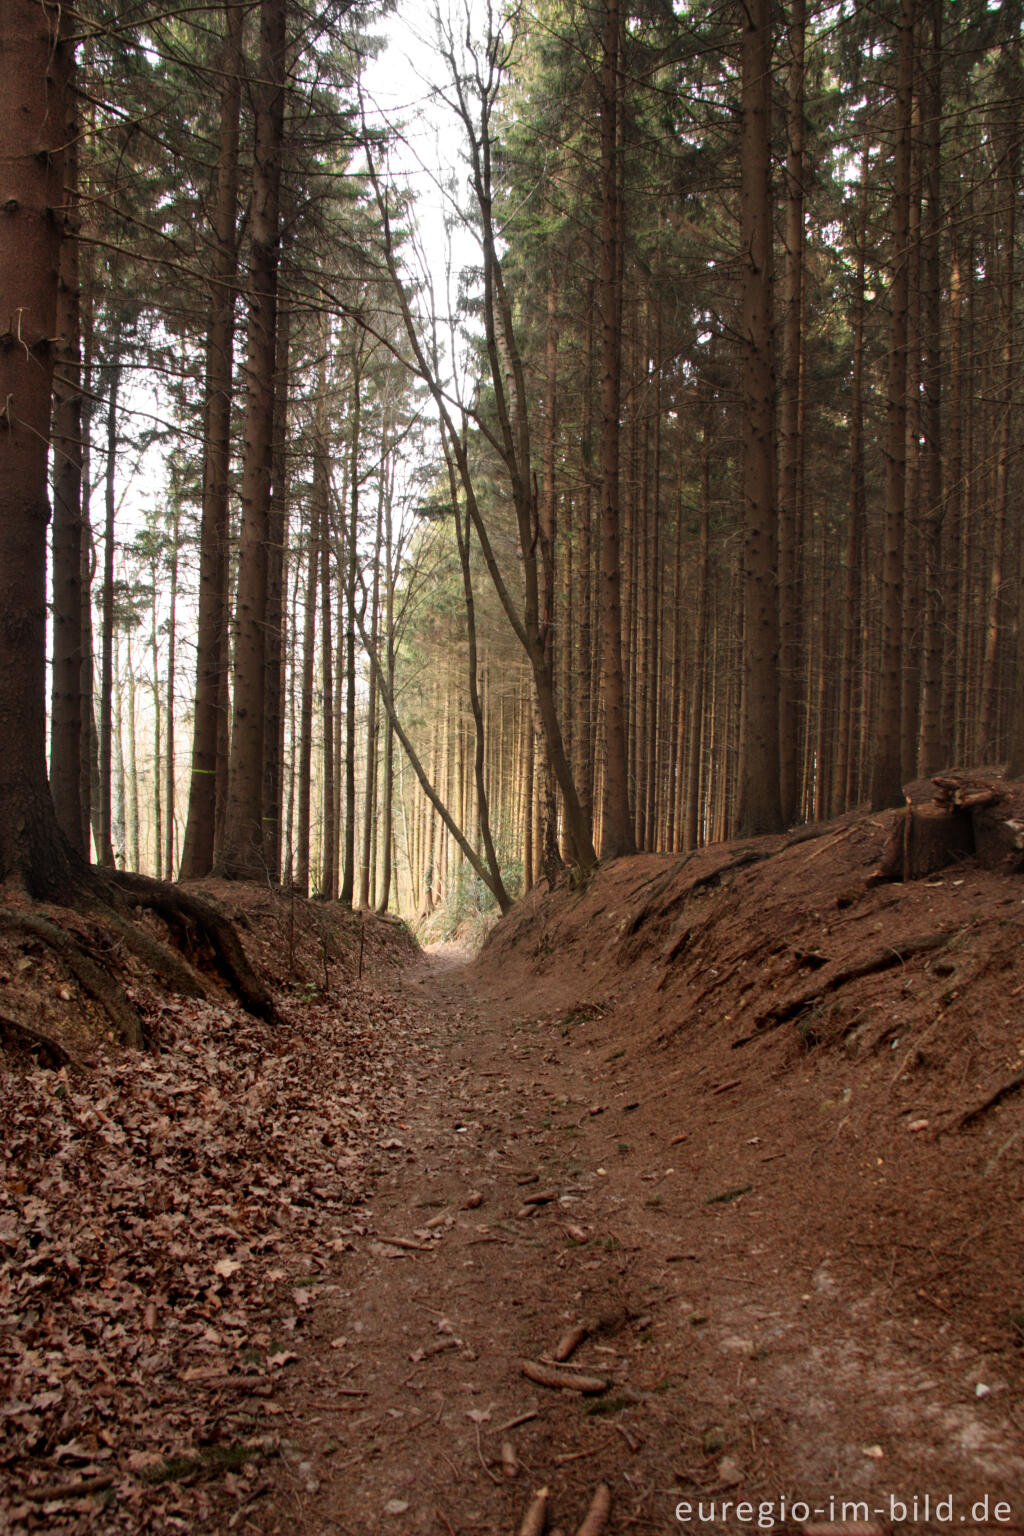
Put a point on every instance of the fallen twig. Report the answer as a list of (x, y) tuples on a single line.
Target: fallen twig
[(567, 1456), (77, 1490), (520, 1418), (480, 1453)]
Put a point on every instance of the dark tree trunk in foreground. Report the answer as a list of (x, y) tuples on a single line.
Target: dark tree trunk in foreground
[(760, 806), (33, 851), (242, 854), (790, 436), (886, 777), (617, 836), (66, 692), (211, 649)]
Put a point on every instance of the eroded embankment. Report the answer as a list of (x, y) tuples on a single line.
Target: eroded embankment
[(850, 1050)]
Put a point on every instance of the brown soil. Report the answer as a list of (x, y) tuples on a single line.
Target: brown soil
[(753, 1122)]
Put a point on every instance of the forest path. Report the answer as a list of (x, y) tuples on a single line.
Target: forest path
[(530, 1189)]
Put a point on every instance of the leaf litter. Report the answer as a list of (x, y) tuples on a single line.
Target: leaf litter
[(161, 1231)]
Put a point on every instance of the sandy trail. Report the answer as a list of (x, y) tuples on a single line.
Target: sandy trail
[(536, 1183)]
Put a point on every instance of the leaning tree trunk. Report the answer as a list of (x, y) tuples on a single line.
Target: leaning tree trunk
[(33, 851)]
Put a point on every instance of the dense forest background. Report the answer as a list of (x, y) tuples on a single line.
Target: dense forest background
[(690, 507)]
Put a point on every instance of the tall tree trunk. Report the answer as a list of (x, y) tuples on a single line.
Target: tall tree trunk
[(133, 767), (698, 669), (105, 851), (886, 778), (997, 617), (90, 776), (913, 549), (351, 572), (616, 817), (931, 745), (154, 646), (760, 806), (331, 730), (547, 518), (118, 838), (846, 777), (33, 851), (304, 767), (370, 778), (790, 436), (66, 691), (172, 621), (387, 833), (242, 853), (482, 801), (212, 645), (274, 684)]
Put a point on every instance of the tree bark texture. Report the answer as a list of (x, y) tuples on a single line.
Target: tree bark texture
[(617, 835), (886, 778), (242, 854), (760, 806), (33, 852), (212, 642)]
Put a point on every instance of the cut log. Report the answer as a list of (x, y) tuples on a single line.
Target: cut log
[(923, 839)]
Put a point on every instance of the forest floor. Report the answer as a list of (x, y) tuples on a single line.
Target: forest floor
[(750, 1120)]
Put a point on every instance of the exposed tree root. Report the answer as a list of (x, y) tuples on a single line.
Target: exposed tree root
[(878, 960), (157, 957), (89, 975), (198, 923), (1012, 1085), (32, 1040)]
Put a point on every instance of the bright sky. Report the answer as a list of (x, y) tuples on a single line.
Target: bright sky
[(402, 84)]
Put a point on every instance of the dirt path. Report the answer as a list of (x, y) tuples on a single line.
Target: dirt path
[(535, 1184)]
